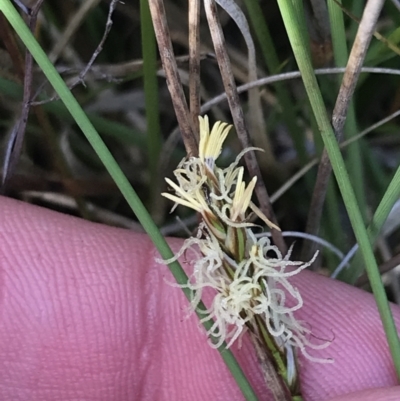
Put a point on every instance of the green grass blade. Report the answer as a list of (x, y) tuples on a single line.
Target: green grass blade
[(116, 173), (303, 60)]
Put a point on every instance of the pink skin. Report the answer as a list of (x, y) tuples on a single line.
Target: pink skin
[(86, 314)]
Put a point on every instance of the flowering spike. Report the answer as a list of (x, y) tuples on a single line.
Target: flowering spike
[(249, 275)]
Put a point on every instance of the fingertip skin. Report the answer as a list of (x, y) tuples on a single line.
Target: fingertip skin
[(348, 317), (379, 394), (70, 320), (87, 314)]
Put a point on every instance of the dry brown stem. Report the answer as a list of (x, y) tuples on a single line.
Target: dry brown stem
[(171, 72), (194, 62), (238, 117)]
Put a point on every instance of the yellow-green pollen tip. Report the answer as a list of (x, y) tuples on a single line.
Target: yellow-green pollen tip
[(211, 142)]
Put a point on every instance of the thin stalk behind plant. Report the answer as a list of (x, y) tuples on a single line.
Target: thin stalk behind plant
[(270, 56), (115, 171), (341, 54), (149, 52)]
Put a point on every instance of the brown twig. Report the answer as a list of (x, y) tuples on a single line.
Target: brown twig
[(14, 145), (99, 48), (194, 62), (238, 117), (173, 80), (350, 77), (67, 182), (354, 65), (256, 122)]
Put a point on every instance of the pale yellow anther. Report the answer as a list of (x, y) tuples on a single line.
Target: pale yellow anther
[(195, 201), (242, 197), (210, 145)]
